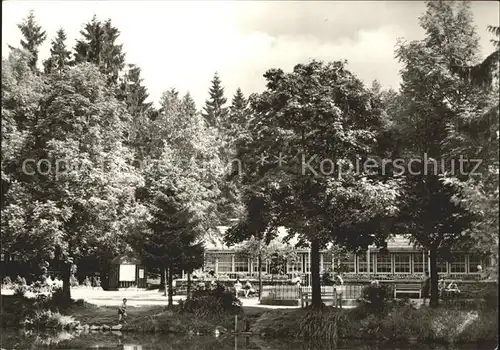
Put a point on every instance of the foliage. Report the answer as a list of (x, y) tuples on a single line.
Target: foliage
[(60, 56), (33, 37), (375, 298), (98, 46), (47, 319), (216, 301), (316, 111), (214, 111)]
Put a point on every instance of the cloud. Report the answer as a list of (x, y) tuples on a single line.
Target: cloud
[(181, 44)]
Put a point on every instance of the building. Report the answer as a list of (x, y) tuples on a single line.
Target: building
[(401, 261)]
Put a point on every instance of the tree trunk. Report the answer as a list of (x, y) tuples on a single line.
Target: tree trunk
[(188, 289), (260, 273), (163, 273), (315, 278), (164, 278), (434, 297), (66, 273), (170, 287)]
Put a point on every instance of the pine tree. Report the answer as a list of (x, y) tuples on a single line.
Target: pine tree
[(133, 92), (59, 54), (239, 103), (172, 240), (99, 47), (214, 111), (188, 106), (33, 38)]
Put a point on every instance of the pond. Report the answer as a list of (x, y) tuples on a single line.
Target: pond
[(13, 339)]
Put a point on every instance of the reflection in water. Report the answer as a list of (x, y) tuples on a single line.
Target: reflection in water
[(12, 339)]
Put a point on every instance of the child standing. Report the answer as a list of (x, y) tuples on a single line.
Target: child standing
[(122, 311)]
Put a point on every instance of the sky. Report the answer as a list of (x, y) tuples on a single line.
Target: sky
[(181, 44)]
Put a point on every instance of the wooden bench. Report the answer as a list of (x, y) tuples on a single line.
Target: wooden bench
[(329, 294), (412, 288)]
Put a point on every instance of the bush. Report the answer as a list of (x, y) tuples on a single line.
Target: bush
[(205, 302), (20, 281), (374, 298), (48, 319), (7, 282), (20, 290)]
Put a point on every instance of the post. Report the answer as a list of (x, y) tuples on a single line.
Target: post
[(368, 262), (233, 270), (235, 323)]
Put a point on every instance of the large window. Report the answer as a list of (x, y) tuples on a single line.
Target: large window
[(240, 263), (307, 262), (384, 263), (474, 261), (362, 264), (225, 263), (255, 265), (402, 263), (418, 263), (327, 261), (458, 265), (442, 266), (294, 266), (349, 263)]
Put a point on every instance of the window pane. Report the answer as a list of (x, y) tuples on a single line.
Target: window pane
[(240, 263), (457, 265), (225, 263), (474, 261), (402, 263), (362, 265), (295, 266), (418, 263), (441, 267), (384, 263), (349, 264), (255, 266), (327, 261)]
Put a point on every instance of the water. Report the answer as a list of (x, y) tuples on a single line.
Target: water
[(12, 339)]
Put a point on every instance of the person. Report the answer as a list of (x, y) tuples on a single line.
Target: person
[(338, 289), (237, 286), (248, 288), (98, 282), (442, 288), (426, 287), (296, 280), (452, 289), (122, 311)]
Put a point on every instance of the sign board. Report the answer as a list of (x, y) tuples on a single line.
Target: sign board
[(127, 273), (141, 273)]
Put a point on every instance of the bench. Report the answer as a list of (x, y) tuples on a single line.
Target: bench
[(413, 288), (327, 294)]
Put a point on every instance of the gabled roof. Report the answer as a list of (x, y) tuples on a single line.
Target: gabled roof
[(125, 260), (216, 241)]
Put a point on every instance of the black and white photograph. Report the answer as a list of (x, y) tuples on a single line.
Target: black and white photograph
[(236, 175)]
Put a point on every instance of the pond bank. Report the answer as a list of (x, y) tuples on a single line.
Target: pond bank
[(401, 322)]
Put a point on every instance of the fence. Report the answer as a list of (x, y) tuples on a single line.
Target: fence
[(287, 292)]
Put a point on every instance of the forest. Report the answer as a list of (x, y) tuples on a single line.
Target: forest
[(92, 169)]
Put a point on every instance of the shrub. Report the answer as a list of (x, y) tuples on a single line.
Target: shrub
[(48, 319), (374, 298), (20, 290), (205, 302), (20, 281), (7, 282)]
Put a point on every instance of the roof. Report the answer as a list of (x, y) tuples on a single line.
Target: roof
[(216, 241), (125, 260)]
